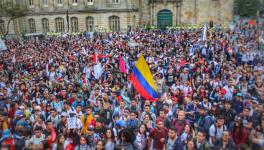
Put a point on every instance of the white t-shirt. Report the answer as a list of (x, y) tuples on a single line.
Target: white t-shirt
[(216, 132)]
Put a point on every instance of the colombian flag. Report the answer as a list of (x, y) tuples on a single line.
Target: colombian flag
[(142, 80)]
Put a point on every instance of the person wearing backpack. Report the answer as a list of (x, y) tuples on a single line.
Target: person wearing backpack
[(180, 122), (204, 121), (173, 142), (216, 130)]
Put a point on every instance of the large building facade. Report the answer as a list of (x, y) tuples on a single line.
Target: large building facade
[(115, 15)]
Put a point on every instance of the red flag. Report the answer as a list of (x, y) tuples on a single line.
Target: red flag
[(122, 65)]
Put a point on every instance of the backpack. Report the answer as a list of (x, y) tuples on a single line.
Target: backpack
[(224, 128)]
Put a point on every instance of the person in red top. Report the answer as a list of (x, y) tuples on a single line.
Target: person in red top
[(239, 133), (157, 135), (7, 141)]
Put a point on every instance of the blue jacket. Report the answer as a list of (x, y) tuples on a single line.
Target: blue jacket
[(178, 144)]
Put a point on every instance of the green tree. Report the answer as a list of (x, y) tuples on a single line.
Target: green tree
[(246, 8), (12, 11)]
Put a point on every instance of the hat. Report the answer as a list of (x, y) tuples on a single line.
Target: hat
[(19, 113), (239, 94), (255, 101), (21, 107), (121, 123), (64, 114), (6, 134), (90, 127)]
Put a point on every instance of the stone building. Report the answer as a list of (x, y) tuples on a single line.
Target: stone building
[(115, 15)]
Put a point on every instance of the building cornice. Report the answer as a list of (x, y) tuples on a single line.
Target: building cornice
[(82, 11)]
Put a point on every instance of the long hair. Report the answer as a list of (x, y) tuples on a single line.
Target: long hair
[(112, 135), (240, 129), (129, 135), (60, 146)]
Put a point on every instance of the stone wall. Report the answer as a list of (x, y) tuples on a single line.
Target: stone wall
[(131, 12)]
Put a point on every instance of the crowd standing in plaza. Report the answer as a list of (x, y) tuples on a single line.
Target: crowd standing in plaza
[(69, 93)]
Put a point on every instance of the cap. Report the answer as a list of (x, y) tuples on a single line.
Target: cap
[(90, 127), (64, 114), (239, 94), (121, 123), (19, 113), (6, 134)]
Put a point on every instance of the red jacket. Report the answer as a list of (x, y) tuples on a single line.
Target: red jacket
[(239, 139)]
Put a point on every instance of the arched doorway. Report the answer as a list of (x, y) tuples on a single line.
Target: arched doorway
[(164, 19)]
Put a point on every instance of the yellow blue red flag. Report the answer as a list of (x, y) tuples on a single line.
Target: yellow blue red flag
[(142, 80)]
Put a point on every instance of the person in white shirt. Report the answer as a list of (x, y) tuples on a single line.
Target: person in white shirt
[(216, 130)]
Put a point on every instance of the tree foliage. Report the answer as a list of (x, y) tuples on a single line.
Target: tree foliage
[(247, 8), (12, 11)]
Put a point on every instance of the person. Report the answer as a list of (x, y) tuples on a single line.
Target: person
[(83, 144), (173, 142), (37, 137), (216, 130), (109, 139), (148, 122), (205, 120), (7, 140), (99, 127), (201, 142), (190, 145), (180, 122), (100, 145), (127, 140), (92, 136), (87, 119), (132, 122), (239, 133), (142, 137), (157, 135), (225, 142), (54, 117), (187, 133), (60, 143), (228, 113)]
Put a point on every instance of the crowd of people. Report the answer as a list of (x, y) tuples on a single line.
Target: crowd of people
[(68, 93)]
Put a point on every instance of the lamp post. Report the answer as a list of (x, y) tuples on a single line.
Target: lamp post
[(178, 12), (67, 19)]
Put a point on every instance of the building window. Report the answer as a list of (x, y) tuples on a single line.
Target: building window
[(45, 2), (60, 2), (115, 1), (89, 24), (32, 25), (2, 27), (31, 2), (90, 2), (59, 25), (74, 24), (45, 25), (114, 23)]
